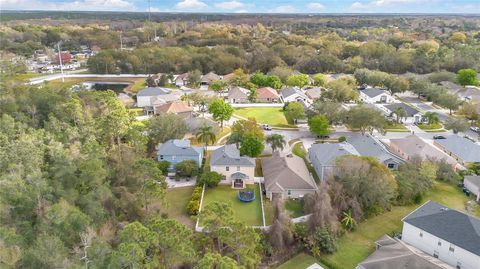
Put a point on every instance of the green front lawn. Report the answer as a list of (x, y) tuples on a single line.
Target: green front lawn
[(395, 127), (272, 116), (433, 126), (300, 261), (294, 207), (175, 205), (249, 213), (354, 247)]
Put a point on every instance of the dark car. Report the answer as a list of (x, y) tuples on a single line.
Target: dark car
[(439, 137), (266, 127)]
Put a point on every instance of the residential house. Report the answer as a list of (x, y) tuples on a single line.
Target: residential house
[(206, 79), (181, 80), (228, 77), (324, 156), (367, 145), (392, 253), (237, 170), (412, 114), (293, 94), (412, 145), (313, 93), (177, 107), (238, 95), (175, 151), (467, 93), (375, 95), (472, 183), (286, 177), (147, 96), (461, 149), (444, 233), (64, 56), (267, 95)]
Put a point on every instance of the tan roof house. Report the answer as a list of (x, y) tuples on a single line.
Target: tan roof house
[(209, 78), (267, 95), (238, 95), (178, 108), (287, 177), (412, 145)]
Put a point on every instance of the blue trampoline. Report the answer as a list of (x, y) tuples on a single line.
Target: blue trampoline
[(246, 196)]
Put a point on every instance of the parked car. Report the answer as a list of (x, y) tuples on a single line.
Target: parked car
[(475, 129), (439, 137), (266, 127)]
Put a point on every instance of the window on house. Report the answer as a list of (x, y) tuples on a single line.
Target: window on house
[(238, 168), (451, 248), (439, 243), (421, 234), (227, 168), (289, 192), (161, 157), (459, 265), (391, 165), (435, 253)]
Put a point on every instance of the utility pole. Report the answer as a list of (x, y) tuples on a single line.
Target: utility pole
[(60, 60), (121, 42)]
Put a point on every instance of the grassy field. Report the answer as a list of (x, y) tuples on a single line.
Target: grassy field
[(176, 207), (249, 213), (396, 127), (272, 116), (354, 247), (294, 207), (434, 126), (300, 261)]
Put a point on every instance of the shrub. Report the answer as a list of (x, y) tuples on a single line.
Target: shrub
[(193, 207), (211, 179), (163, 166), (197, 193), (187, 168), (342, 139)]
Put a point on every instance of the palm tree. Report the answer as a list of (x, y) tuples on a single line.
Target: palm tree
[(400, 113), (235, 138), (432, 117), (348, 221), (276, 141), (206, 135)]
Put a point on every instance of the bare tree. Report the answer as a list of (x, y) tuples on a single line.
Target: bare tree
[(86, 238), (320, 207), (280, 231)]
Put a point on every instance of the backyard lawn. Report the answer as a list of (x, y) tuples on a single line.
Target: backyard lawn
[(354, 247), (294, 207), (176, 207), (272, 116), (249, 213), (300, 261)]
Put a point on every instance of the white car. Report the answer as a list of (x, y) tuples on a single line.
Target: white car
[(475, 129)]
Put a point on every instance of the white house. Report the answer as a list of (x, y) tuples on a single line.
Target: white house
[(375, 95), (411, 114), (238, 170), (444, 233), (181, 80), (293, 94), (472, 183)]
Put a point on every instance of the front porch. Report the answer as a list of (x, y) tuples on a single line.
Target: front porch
[(239, 180)]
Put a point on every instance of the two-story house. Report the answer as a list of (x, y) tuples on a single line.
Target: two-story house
[(444, 233), (175, 151), (237, 170), (375, 95)]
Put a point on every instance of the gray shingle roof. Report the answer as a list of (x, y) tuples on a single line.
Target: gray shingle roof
[(314, 93), (475, 180), (230, 155), (394, 254), (238, 92), (461, 147), (372, 92), (410, 110), (453, 226), (367, 145), (413, 145), (326, 154), (179, 148), (153, 91), (291, 91), (286, 173)]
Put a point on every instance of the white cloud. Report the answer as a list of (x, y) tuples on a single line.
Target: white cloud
[(153, 9), (190, 5), (229, 5), (81, 5), (315, 6), (284, 9), (385, 3)]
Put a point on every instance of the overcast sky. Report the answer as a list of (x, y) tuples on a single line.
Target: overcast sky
[(253, 6)]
